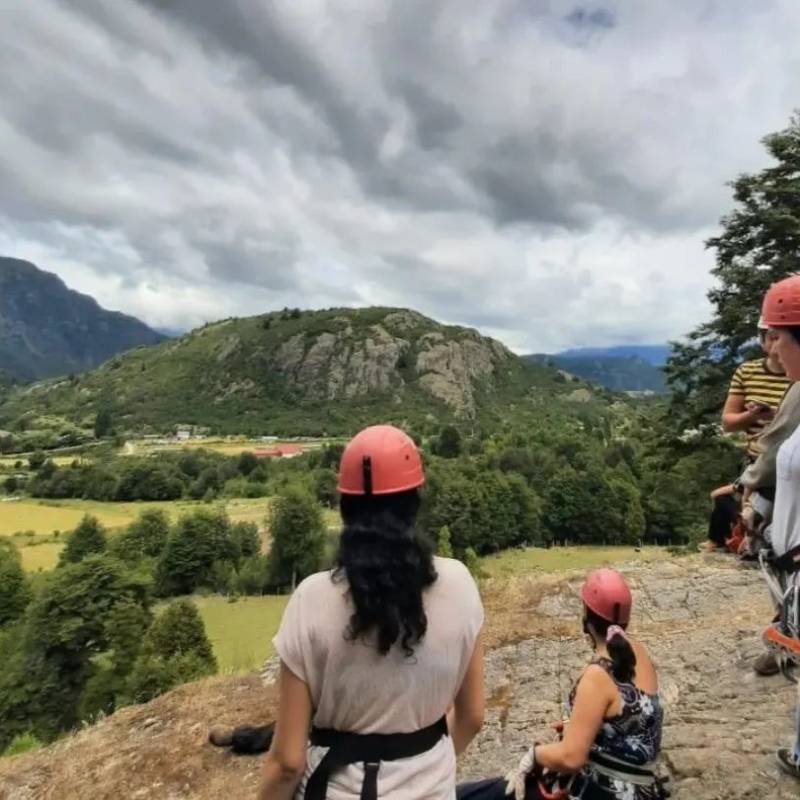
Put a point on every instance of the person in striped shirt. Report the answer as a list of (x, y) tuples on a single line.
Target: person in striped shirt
[(756, 391)]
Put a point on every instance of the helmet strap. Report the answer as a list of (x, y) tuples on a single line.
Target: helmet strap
[(366, 467)]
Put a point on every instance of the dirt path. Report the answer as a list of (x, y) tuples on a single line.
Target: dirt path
[(701, 619)]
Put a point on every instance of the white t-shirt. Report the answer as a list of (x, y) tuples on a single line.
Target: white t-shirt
[(355, 688), (785, 531)]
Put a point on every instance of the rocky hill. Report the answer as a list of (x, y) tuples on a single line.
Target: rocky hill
[(700, 619), (47, 329), (297, 372)]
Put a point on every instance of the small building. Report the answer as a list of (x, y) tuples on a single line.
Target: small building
[(280, 451)]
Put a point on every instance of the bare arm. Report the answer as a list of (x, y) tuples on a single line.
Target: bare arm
[(285, 762), (465, 718), (735, 416), (595, 696)]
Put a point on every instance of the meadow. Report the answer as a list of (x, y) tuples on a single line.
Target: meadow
[(241, 632)]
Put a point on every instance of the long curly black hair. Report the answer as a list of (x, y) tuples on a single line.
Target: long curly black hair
[(387, 564)]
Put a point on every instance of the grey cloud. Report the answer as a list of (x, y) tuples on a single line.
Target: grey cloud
[(481, 162)]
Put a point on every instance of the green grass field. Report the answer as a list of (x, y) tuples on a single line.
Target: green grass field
[(39, 557), (46, 516), (511, 563), (241, 632)]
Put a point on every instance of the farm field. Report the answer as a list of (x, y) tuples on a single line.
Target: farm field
[(241, 632), (224, 446), (46, 516)]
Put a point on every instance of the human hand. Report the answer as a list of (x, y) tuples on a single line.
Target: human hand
[(760, 411), (515, 780)]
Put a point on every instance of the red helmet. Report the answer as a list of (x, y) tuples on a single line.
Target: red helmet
[(606, 593), (380, 460), (781, 307)]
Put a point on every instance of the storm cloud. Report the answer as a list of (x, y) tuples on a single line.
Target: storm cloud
[(545, 170)]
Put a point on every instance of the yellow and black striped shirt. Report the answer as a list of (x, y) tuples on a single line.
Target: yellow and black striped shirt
[(757, 384)]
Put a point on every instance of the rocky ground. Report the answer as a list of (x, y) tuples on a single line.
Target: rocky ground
[(700, 617), (701, 620)]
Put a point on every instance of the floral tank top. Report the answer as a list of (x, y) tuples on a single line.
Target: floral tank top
[(633, 736)]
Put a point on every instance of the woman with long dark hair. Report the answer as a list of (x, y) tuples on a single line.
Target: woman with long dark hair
[(381, 678), (609, 745)]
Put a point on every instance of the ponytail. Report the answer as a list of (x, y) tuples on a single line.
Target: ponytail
[(622, 656), (623, 659)]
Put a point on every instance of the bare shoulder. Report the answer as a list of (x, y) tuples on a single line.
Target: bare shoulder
[(646, 675)]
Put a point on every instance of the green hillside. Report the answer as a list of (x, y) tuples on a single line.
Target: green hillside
[(295, 372)]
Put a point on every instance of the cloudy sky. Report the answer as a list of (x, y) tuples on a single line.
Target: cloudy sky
[(545, 170)]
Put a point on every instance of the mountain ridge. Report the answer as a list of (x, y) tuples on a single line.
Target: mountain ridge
[(48, 329), (297, 371)]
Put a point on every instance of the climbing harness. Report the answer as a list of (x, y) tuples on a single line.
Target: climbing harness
[(782, 637), (368, 748)]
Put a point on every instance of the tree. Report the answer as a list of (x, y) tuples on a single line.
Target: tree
[(247, 463), (145, 537), (246, 539), (325, 487), (103, 423), (36, 460), (15, 593), (298, 537), (125, 627), (64, 631), (759, 244), (175, 650), (448, 443), (88, 538), (443, 546), (199, 539)]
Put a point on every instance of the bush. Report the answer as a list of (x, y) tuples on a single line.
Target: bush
[(22, 743)]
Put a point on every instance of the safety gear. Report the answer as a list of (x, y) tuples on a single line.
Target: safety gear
[(761, 325), (607, 595), (380, 460), (369, 749), (781, 307)]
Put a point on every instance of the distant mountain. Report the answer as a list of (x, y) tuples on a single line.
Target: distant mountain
[(617, 368), (47, 329), (655, 354), (300, 372)]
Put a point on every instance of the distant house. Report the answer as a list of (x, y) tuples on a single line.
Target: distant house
[(281, 451), (183, 434)]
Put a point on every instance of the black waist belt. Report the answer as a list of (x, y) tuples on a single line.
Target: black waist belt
[(789, 561), (618, 765), (369, 748)]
